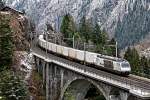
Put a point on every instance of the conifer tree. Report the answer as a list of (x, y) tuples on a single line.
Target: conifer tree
[(6, 46), (135, 61), (113, 47), (103, 37), (11, 87), (148, 68), (85, 29), (96, 34), (90, 29), (113, 41), (68, 26), (133, 57), (127, 54), (144, 66), (82, 27)]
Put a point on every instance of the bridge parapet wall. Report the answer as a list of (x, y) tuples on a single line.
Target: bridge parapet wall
[(57, 79)]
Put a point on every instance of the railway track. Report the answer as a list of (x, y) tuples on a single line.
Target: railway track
[(133, 81), (140, 80)]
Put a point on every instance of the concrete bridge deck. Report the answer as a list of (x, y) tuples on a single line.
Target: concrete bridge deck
[(133, 86)]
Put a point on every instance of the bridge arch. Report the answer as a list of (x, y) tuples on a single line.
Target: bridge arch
[(114, 94), (77, 88), (130, 97)]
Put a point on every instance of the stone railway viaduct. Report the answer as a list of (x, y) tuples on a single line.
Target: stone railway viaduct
[(63, 77)]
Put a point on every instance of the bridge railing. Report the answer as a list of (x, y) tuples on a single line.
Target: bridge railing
[(131, 84), (135, 86), (119, 81)]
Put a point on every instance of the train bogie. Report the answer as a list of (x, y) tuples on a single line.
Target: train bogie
[(80, 55)]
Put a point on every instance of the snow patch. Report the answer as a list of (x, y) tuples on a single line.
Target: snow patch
[(27, 62)]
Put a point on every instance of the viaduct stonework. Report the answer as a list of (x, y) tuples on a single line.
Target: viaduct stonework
[(61, 82)]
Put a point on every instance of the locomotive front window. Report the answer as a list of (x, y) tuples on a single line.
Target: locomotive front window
[(125, 65)]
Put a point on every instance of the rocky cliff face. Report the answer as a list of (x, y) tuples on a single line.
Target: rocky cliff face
[(19, 25), (128, 20)]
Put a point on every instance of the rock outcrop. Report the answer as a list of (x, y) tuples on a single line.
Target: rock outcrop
[(128, 20), (20, 27)]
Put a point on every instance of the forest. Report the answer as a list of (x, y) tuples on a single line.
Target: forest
[(91, 34), (11, 85), (96, 40)]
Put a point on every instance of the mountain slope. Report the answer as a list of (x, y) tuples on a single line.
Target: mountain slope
[(128, 20)]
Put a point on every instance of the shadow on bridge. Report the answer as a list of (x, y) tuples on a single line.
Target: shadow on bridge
[(81, 89)]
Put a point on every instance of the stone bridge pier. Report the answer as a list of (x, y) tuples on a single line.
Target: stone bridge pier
[(62, 84)]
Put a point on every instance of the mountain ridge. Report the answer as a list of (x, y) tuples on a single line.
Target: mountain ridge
[(118, 17)]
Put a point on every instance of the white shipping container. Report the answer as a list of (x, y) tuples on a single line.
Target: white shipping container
[(65, 51), (40, 44), (80, 55), (90, 57), (116, 66), (40, 36), (72, 53), (59, 49), (43, 44), (49, 46), (99, 61), (54, 47)]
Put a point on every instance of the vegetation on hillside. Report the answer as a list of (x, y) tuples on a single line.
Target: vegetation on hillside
[(88, 34), (139, 65), (96, 40), (11, 85), (93, 35), (6, 44), (36, 87), (68, 28)]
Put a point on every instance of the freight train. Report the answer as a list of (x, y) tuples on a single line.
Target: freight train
[(102, 62)]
